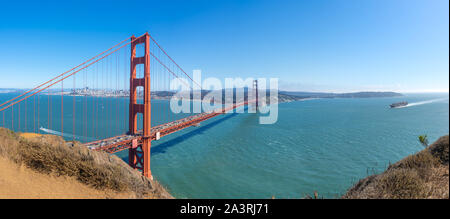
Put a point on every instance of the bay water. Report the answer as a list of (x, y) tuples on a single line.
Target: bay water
[(323, 145)]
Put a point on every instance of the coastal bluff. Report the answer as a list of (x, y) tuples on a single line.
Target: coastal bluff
[(424, 175), (46, 166)]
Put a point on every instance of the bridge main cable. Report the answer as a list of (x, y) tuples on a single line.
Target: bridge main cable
[(97, 60), (63, 73), (172, 61)]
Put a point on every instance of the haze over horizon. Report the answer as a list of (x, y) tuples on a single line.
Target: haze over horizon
[(314, 46)]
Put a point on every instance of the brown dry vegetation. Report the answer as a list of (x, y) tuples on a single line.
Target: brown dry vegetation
[(49, 156), (419, 176), (18, 181)]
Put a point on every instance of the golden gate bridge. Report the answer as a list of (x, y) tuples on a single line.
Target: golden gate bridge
[(133, 68)]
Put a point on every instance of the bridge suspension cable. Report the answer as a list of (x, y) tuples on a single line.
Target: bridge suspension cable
[(62, 74), (93, 106), (98, 110), (173, 61), (60, 80)]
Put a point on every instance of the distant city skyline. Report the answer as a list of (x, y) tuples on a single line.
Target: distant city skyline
[(318, 46)]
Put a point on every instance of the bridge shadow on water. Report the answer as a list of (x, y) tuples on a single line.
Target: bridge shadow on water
[(162, 147)]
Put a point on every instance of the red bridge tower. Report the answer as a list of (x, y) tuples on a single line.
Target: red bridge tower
[(139, 153)]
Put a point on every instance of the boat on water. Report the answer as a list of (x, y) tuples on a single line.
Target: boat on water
[(399, 104)]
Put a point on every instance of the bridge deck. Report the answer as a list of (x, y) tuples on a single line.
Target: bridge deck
[(123, 142)]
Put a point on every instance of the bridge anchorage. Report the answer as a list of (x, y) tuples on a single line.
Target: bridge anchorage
[(98, 98)]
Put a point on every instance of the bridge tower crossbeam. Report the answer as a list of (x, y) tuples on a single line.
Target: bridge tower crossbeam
[(139, 153)]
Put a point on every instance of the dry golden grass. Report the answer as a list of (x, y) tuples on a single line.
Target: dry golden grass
[(29, 135), (401, 184), (20, 182), (419, 176), (50, 155)]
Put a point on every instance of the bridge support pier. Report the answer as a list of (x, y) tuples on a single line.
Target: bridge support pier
[(139, 153)]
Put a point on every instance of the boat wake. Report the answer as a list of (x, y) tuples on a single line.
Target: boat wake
[(423, 102), (67, 135)]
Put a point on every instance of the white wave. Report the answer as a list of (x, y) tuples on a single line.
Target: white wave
[(423, 102), (67, 135)]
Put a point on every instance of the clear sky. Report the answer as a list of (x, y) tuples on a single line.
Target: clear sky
[(320, 45)]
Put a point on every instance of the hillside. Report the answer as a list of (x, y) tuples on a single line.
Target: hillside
[(44, 166), (418, 176)]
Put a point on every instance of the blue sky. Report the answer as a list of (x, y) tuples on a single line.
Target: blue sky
[(321, 45)]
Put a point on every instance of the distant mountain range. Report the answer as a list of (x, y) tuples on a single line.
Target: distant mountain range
[(286, 96), (341, 95), (283, 96)]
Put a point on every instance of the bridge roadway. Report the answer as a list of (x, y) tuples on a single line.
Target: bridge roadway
[(124, 142)]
